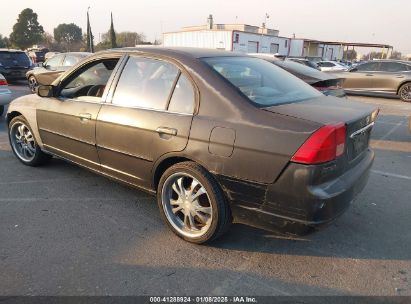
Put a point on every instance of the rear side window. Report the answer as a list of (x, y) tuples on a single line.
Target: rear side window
[(55, 61), (70, 60), (14, 59), (183, 99), (145, 83), (261, 82), (393, 67)]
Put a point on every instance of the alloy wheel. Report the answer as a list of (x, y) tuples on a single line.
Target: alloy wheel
[(187, 205), (22, 141), (33, 84), (405, 93)]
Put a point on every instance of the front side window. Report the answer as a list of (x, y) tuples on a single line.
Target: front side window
[(392, 67), (369, 66), (145, 83), (260, 81), (90, 81)]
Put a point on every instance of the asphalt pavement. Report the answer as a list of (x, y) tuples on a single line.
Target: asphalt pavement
[(67, 231)]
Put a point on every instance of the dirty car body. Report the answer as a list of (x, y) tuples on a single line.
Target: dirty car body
[(254, 141)]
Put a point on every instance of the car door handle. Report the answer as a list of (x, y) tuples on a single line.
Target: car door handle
[(369, 74), (168, 131), (399, 76), (85, 116)]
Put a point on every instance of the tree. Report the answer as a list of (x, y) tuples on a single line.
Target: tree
[(125, 39), (4, 42), (89, 36), (68, 34), (113, 39), (350, 54), (27, 30), (396, 55), (374, 55)]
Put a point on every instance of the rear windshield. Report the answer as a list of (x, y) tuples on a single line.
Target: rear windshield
[(298, 68), (262, 82), (14, 59)]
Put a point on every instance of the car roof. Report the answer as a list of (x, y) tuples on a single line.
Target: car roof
[(181, 51)]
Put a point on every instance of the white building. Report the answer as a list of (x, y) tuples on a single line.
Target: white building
[(250, 39)]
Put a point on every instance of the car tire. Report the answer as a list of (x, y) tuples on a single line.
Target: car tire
[(1, 110), (405, 92), (24, 144), (203, 211), (33, 83)]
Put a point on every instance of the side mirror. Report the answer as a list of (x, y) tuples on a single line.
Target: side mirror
[(45, 91)]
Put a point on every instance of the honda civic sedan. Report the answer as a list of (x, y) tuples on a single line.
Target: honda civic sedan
[(216, 136)]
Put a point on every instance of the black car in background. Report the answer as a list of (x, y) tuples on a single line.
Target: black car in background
[(326, 83), (14, 64)]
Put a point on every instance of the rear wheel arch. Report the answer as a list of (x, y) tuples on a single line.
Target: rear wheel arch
[(166, 163), (401, 84)]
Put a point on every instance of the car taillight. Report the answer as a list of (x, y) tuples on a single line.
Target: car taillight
[(3, 82), (324, 145)]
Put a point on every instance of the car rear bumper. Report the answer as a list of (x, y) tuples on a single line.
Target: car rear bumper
[(303, 195)]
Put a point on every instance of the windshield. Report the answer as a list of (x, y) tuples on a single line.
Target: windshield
[(262, 82), (14, 59)]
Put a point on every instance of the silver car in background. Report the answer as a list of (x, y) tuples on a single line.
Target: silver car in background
[(379, 77), (5, 94)]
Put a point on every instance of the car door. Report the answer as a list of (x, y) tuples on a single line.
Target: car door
[(360, 77), (67, 123), (51, 70), (150, 114), (389, 76)]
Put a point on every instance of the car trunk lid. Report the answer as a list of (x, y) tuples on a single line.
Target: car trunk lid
[(359, 118)]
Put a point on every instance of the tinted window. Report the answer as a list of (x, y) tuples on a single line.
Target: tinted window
[(262, 82), (55, 61), (392, 67), (145, 83), (183, 98), (14, 59), (369, 66), (71, 60)]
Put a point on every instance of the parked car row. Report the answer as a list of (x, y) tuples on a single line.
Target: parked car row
[(216, 136), (376, 77), (327, 83)]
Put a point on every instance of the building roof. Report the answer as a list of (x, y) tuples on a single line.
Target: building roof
[(240, 27)]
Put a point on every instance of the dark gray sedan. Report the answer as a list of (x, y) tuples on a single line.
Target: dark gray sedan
[(217, 136)]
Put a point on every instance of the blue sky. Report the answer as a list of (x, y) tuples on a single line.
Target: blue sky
[(373, 21)]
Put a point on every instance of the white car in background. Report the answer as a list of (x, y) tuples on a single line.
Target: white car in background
[(5, 94), (331, 66)]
